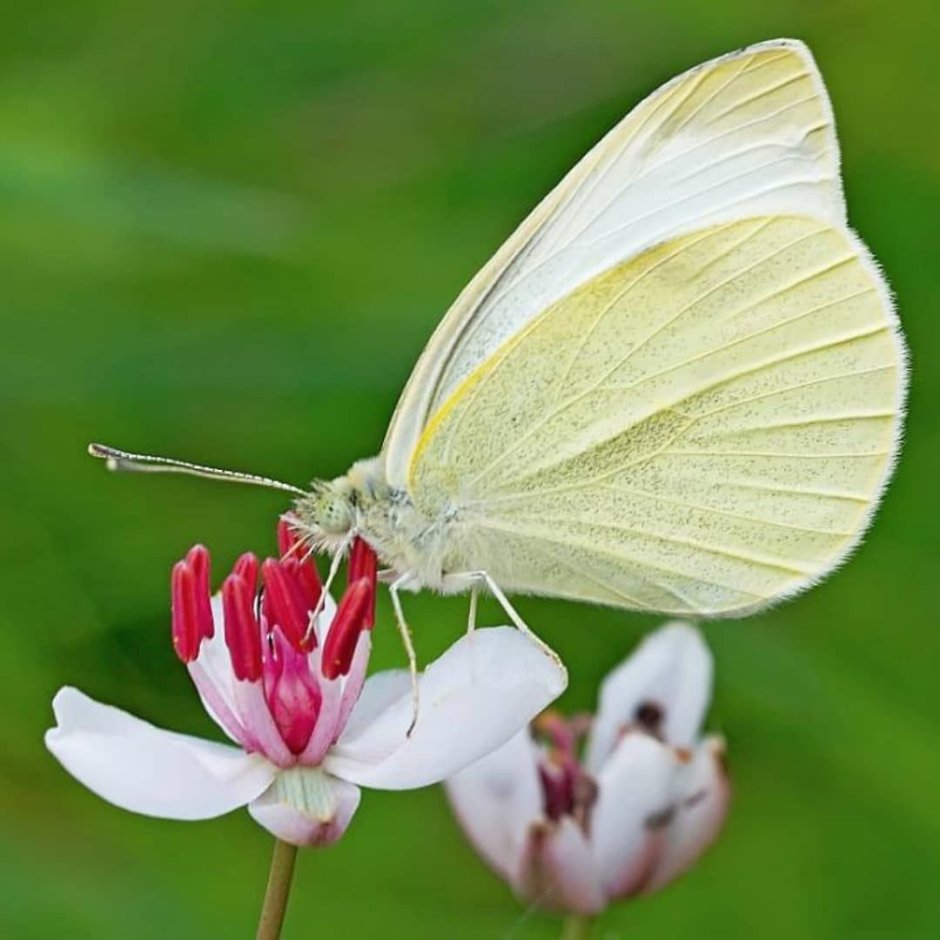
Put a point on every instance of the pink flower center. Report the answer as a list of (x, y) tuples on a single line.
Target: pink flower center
[(567, 789), (271, 636)]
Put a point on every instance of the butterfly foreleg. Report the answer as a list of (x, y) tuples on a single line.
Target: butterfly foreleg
[(330, 576), (404, 630)]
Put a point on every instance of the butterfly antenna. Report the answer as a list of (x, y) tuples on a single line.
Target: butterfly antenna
[(120, 460)]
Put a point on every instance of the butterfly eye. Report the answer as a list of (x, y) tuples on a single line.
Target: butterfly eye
[(333, 513)]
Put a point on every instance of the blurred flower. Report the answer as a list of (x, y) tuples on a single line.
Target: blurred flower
[(646, 800), (292, 694)]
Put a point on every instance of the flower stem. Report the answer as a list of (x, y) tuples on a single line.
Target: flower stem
[(278, 890), (577, 927)]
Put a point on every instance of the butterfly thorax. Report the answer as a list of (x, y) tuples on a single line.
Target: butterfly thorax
[(406, 541)]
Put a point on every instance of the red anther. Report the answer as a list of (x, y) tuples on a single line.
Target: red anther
[(247, 568), (286, 538), (293, 695), (200, 564), (558, 730), (557, 790), (242, 631), (348, 622), (298, 562), (186, 636), (304, 575), (364, 563), (285, 605)]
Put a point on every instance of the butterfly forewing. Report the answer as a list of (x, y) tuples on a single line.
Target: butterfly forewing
[(745, 135)]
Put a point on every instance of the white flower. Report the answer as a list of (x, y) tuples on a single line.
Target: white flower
[(638, 810), (309, 728)]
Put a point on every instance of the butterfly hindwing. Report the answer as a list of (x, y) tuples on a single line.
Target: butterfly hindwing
[(701, 429)]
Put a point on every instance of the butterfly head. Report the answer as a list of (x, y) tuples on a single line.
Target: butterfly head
[(327, 514), (333, 509)]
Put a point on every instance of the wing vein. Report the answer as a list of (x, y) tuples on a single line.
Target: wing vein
[(765, 562)]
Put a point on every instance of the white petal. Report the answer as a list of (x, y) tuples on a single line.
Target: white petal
[(379, 692), (700, 814), (558, 871), (636, 796), (486, 687), (305, 806), (214, 679), (148, 770), (355, 679), (325, 620), (672, 670), (259, 724), (497, 799)]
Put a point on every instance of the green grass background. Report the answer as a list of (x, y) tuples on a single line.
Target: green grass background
[(226, 230)]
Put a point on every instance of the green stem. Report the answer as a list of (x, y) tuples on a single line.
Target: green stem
[(278, 890), (577, 927)]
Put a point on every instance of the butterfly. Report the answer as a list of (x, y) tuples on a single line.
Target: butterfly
[(677, 387)]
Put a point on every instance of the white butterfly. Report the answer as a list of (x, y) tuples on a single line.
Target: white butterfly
[(677, 387)]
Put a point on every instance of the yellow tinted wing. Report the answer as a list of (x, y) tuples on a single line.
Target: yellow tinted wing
[(702, 429)]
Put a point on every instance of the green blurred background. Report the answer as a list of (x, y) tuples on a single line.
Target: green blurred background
[(226, 230)]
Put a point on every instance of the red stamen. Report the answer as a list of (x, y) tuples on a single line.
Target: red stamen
[(247, 568), (186, 635), (557, 729), (349, 621), (557, 790), (304, 575), (200, 563), (242, 631), (298, 561), (285, 604), (364, 563), (286, 539), (293, 695)]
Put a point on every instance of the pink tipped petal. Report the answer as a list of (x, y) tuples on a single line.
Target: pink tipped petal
[(497, 800), (212, 675), (327, 726), (217, 705), (664, 686), (305, 806), (558, 871), (354, 681), (255, 715), (635, 801), (475, 697), (148, 770), (700, 814)]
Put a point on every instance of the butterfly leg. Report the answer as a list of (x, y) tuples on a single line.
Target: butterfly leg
[(474, 579), (330, 575), (404, 630), (472, 612)]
